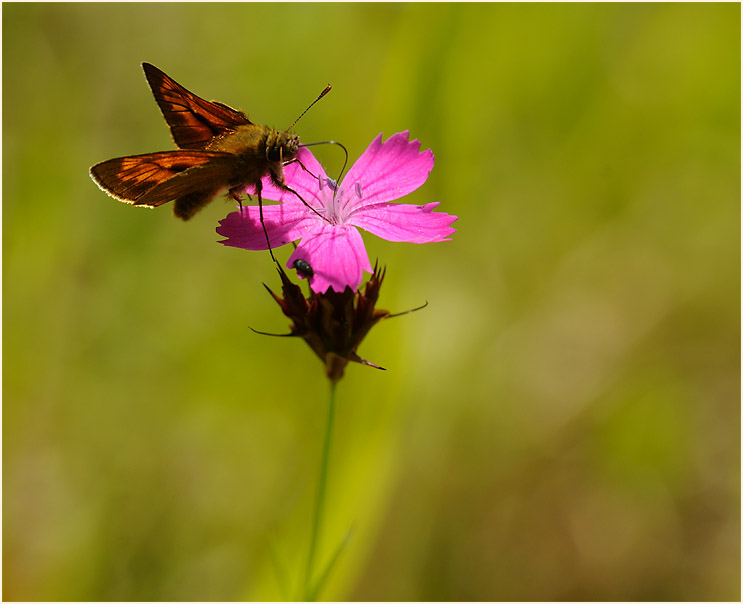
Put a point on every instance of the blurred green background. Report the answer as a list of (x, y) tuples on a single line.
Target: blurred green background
[(561, 422)]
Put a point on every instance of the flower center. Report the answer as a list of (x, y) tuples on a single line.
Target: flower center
[(337, 202)]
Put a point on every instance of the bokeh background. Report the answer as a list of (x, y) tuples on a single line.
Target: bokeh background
[(561, 422)]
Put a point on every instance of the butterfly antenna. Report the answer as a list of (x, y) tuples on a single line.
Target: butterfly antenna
[(322, 94)]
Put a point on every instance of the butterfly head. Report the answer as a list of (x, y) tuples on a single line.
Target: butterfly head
[(282, 146)]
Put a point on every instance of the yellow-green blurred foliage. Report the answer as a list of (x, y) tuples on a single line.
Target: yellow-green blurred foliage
[(561, 421)]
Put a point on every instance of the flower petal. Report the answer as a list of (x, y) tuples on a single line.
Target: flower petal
[(337, 256), (388, 170), (284, 223), (406, 222)]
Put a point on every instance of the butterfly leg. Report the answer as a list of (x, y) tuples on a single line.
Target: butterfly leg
[(281, 184), (236, 196), (290, 190), (258, 189), (301, 165)]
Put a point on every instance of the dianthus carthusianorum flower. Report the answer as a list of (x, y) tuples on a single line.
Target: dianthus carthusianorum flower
[(329, 239)]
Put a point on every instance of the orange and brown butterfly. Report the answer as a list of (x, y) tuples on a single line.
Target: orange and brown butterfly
[(219, 148)]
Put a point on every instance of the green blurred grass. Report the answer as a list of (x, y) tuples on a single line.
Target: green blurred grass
[(561, 422)]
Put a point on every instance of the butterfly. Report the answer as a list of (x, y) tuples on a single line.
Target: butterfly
[(219, 149)]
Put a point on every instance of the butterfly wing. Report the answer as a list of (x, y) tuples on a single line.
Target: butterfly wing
[(193, 122), (153, 179)]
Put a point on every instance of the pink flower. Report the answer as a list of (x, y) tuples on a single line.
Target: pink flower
[(333, 245)]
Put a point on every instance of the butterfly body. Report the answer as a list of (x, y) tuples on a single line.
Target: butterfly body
[(219, 149)]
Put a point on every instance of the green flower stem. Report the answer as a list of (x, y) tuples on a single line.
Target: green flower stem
[(309, 592)]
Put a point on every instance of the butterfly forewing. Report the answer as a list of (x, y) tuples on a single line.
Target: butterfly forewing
[(193, 122), (207, 179), (133, 179)]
